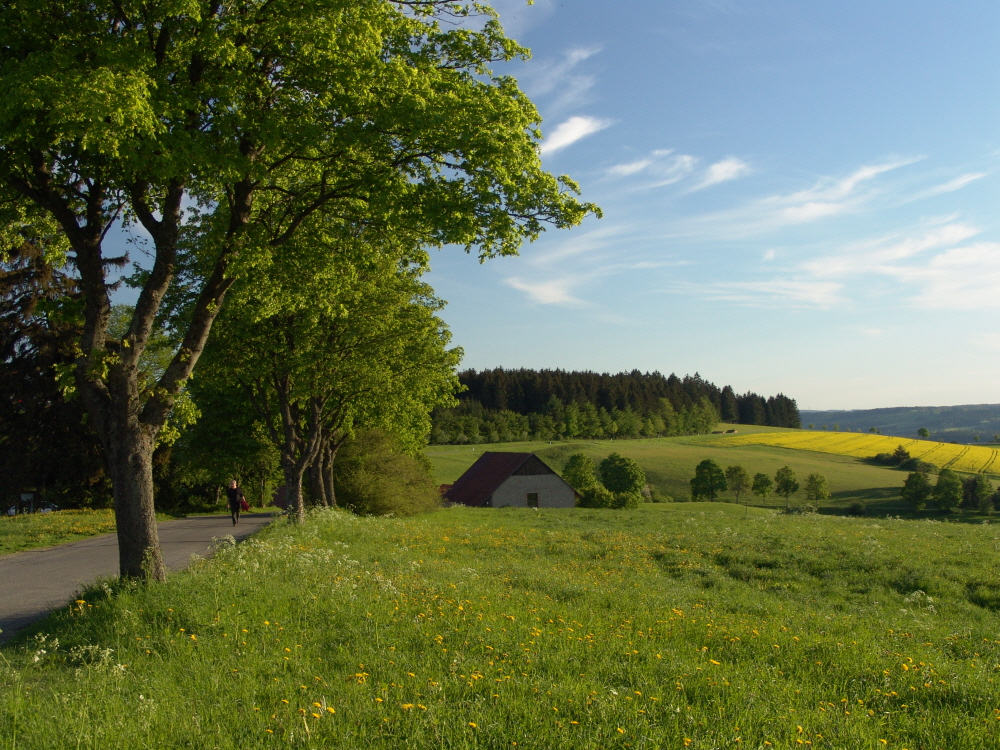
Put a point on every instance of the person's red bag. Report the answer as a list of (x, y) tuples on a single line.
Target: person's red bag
[(244, 505)]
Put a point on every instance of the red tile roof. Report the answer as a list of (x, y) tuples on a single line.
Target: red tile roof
[(481, 480)]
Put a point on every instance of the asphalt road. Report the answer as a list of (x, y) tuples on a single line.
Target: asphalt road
[(35, 582)]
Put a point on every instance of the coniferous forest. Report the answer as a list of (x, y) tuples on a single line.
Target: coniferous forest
[(509, 405)]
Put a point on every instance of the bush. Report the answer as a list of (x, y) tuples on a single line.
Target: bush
[(597, 496), (626, 501), (915, 464), (374, 477), (857, 509)]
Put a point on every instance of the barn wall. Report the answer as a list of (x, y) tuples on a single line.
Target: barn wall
[(552, 491)]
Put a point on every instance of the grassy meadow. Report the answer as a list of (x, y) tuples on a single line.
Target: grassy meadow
[(673, 626), (669, 464), (29, 531)]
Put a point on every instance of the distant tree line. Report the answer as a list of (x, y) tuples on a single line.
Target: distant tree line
[(509, 405)]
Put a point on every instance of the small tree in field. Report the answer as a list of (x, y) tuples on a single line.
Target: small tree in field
[(900, 454), (762, 486), (580, 471), (917, 489), (738, 480), (948, 491), (621, 474), (709, 480), (785, 484), (923, 433), (817, 489)]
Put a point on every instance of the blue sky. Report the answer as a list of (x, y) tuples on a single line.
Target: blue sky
[(798, 197)]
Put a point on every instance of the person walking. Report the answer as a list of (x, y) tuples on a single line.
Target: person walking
[(237, 501)]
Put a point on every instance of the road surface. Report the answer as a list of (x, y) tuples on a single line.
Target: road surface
[(35, 582)]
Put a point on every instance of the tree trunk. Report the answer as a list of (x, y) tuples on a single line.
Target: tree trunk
[(328, 456), (316, 484), (293, 471), (130, 463)]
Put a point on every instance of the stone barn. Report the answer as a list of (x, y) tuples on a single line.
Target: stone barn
[(517, 480)]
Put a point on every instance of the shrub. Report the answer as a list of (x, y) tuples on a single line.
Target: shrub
[(626, 501), (597, 496), (374, 477), (915, 464), (857, 509)]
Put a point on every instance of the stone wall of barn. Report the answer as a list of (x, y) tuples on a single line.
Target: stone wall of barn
[(552, 491)]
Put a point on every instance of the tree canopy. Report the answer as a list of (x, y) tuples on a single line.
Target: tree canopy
[(222, 128), (709, 480)]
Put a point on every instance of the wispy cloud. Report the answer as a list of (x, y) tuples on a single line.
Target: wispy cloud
[(797, 292), (572, 130), (561, 77), (729, 168), (876, 256), (828, 196), (673, 170), (960, 278), (551, 292), (952, 185), (932, 267)]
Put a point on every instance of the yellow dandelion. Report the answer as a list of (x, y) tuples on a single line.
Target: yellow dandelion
[(316, 715), (472, 724), (330, 710), (621, 731)]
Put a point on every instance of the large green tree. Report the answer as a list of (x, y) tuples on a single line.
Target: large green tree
[(221, 127)]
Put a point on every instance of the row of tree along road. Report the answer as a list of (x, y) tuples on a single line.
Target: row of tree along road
[(289, 169)]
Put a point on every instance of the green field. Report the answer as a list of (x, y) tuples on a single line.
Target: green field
[(673, 626), (18, 533), (669, 464)]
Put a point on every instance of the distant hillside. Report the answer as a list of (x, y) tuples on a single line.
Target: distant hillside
[(960, 424)]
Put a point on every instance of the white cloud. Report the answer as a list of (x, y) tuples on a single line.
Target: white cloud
[(827, 197), (769, 255), (952, 185), (623, 170), (676, 170), (729, 168), (960, 278), (798, 292), (551, 292), (874, 256), (571, 131), (560, 77)]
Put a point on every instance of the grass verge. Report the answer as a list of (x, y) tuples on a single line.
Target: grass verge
[(29, 531), (679, 626)]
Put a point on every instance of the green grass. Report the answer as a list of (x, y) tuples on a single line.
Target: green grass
[(674, 626), (29, 531), (669, 464)]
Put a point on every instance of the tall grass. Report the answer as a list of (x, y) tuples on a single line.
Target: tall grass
[(682, 627)]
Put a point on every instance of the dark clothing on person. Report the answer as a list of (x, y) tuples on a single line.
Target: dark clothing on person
[(235, 495)]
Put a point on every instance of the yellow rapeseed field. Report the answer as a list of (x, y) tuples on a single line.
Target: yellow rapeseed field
[(968, 458)]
